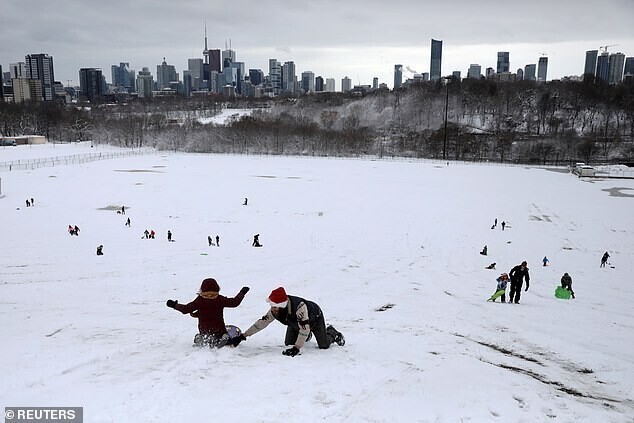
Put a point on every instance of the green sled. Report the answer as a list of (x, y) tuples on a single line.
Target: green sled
[(562, 293), (497, 294)]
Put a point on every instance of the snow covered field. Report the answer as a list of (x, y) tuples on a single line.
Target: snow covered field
[(390, 250)]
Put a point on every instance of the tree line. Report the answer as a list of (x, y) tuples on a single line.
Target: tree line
[(477, 120)]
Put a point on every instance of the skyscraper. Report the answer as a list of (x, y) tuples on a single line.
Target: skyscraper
[(330, 85), (346, 84), (603, 66), (275, 75), (308, 81), (319, 84), (628, 75), (289, 77), (197, 71), (504, 64), (435, 67), (375, 83), (256, 76), (542, 68), (398, 76), (615, 68), (91, 84), (165, 74), (122, 76), (475, 71), (530, 72), (590, 68), (40, 67), (145, 83)]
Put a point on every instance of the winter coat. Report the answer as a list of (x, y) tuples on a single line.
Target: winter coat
[(566, 281), (517, 274), (502, 283), (299, 314), (209, 311)]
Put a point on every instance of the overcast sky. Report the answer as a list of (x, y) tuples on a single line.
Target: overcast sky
[(360, 39)]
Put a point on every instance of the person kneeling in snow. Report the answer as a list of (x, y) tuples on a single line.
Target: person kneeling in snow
[(301, 317), (501, 288), (208, 308), (566, 283)]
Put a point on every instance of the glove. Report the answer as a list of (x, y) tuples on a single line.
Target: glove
[(236, 341), (526, 288), (291, 352), (171, 303), (244, 290)]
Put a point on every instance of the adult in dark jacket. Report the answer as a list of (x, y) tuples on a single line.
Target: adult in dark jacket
[(518, 274), (566, 283), (208, 307), (301, 318)]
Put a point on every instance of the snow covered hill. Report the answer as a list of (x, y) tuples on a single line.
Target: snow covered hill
[(389, 250)]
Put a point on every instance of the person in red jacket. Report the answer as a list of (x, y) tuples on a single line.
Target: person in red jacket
[(208, 307)]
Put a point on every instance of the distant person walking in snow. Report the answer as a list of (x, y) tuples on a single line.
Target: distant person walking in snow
[(28, 203), (127, 222), (545, 261), (169, 236), (604, 259), (209, 240), (301, 318), (503, 224), (32, 202), (208, 307), (245, 201), (217, 240), (518, 274), (76, 230), (122, 209), (484, 251), (100, 250), (500, 290), (152, 234), (256, 241), (146, 233), (566, 283)]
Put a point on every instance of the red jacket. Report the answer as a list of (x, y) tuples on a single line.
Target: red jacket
[(210, 312)]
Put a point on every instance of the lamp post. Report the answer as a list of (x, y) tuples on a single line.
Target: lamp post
[(446, 80)]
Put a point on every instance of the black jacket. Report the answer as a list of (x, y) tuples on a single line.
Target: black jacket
[(517, 274)]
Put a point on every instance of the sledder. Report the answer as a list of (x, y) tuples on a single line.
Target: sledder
[(502, 280), (208, 308)]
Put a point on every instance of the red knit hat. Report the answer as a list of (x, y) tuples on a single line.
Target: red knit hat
[(278, 298)]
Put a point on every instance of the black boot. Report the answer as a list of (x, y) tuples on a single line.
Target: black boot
[(336, 336)]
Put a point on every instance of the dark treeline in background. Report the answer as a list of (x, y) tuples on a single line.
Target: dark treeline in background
[(557, 122)]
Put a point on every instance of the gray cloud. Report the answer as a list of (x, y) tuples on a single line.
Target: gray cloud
[(329, 37)]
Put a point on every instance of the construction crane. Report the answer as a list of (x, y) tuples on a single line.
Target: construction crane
[(605, 48)]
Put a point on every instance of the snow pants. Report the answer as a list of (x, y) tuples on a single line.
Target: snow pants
[(499, 293), (318, 330), (516, 291)]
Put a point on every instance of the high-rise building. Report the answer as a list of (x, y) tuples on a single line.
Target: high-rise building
[(122, 76), (319, 84), (590, 68), (165, 75), (17, 70), (504, 64), (289, 77), (330, 85), (187, 82), (530, 72), (490, 73), (520, 74), (1, 84), (375, 83), (435, 68), (474, 72), (398, 76), (275, 75), (40, 67), (603, 67), (308, 81), (346, 84), (91, 84), (145, 83), (615, 68), (228, 57), (542, 68), (215, 64), (628, 74), (196, 70), (25, 89), (456, 75), (256, 76)]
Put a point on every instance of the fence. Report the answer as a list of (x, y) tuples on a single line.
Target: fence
[(30, 164)]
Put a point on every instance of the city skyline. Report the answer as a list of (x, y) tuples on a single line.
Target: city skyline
[(360, 40)]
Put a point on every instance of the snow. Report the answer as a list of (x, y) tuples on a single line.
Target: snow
[(388, 249), (225, 116)]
